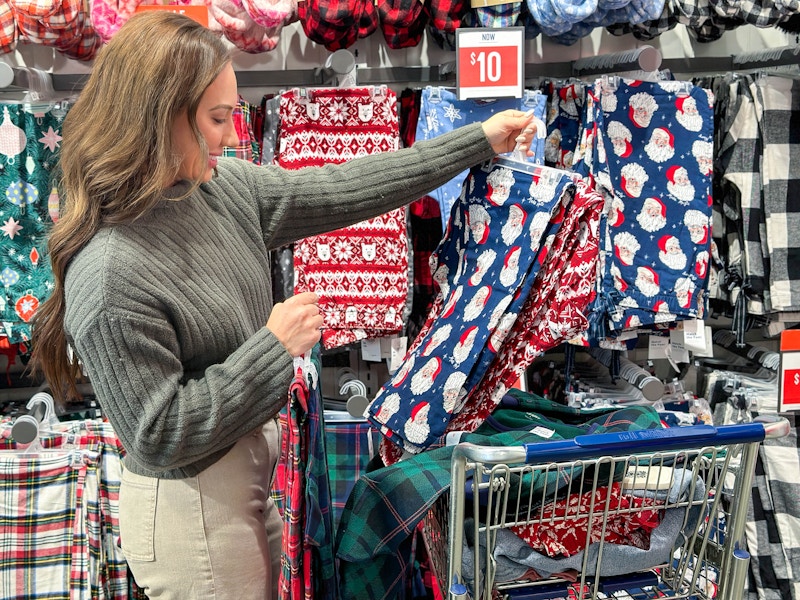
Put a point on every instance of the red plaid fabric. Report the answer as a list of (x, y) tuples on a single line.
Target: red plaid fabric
[(402, 22), (247, 148), (446, 15), (42, 523), (99, 569), (8, 27), (67, 28), (337, 24)]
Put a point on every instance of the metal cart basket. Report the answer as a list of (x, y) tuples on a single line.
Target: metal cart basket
[(656, 513)]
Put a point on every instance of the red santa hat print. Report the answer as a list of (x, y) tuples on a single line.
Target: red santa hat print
[(671, 173)]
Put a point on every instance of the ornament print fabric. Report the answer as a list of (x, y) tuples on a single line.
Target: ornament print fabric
[(441, 111), (484, 268), (361, 273), (653, 157), (29, 144)]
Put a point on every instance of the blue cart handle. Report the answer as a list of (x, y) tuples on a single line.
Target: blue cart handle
[(655, 440)]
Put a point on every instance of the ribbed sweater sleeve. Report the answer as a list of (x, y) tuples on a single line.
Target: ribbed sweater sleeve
[(167, 315), (304, 202)]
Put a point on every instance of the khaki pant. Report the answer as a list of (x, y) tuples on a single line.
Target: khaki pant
[(210, 537)]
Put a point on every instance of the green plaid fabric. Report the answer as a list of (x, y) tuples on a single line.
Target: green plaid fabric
[(386, 505)]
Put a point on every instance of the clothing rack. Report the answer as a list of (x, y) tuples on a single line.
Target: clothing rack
[(763, 356), (769, 57), (652, 387), (644, 58)]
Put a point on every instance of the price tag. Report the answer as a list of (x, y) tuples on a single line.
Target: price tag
[(489, 62), (789, 380)]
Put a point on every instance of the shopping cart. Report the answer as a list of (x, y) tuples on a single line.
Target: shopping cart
[(600, 504)]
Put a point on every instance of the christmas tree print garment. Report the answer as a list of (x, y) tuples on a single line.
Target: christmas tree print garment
[(361, 272), (441, 111), (29, 145), (653, 158), (484, 270)]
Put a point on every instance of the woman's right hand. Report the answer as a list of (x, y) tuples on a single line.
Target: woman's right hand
[(297, 323)]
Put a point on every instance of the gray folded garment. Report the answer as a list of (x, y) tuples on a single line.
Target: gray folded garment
[(514, 557)]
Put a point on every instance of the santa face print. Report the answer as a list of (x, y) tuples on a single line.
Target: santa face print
[(660, 148), (689, 116), (703, 153), (697, 226), (620, 137), (672, 255), (626, 246), (642, 108), (500, 181), (479, 222), (633, 179), (652, 218), (512, 228), (647, 281)]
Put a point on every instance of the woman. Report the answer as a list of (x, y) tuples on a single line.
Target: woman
[(162, 289)]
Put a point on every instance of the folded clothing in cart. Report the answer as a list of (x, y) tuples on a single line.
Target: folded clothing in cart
[(515, 558)]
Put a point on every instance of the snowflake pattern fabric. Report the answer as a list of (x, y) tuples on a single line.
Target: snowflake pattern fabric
[(441, 111), (361, 273)]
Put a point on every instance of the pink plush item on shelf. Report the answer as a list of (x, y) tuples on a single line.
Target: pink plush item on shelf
[(109, 15), (240, 29), (230, 14), (271, 13), (8, 27), (256, 40)]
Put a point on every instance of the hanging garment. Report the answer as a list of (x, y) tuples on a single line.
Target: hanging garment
[(43, 516), (247, 146), (107, 572), (554, 312), (485, 267), (652, 148), (361, 272), (565, 101), (29, 144), (779, 99), (441, 111), (307, 563)]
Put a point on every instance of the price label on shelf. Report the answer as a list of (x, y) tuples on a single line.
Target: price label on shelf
[(789, 381), (489, 62)]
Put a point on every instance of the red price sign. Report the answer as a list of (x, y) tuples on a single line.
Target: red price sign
[(489, 62), (789, 382), (198, 13)]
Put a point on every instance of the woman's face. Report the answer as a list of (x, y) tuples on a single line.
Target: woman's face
[(215, 121)]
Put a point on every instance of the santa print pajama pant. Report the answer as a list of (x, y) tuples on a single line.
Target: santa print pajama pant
[(485, 268), (652, 157), (361, 272)]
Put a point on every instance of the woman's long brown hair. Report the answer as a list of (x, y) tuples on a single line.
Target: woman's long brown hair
[(117, 156)]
